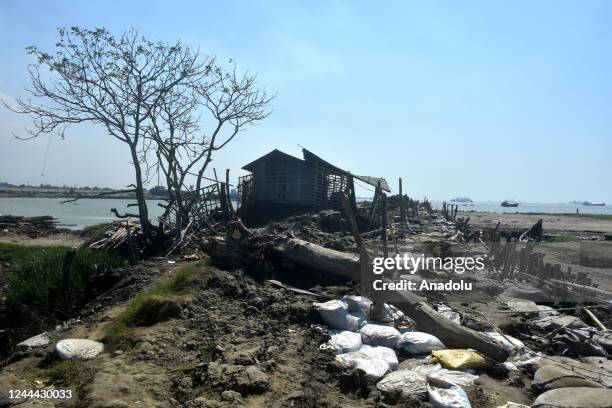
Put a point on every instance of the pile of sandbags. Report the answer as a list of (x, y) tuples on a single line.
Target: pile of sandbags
[(360, 344)]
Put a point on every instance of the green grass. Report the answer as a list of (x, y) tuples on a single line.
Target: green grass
[(120, 334), (562, 238), (35, 274)]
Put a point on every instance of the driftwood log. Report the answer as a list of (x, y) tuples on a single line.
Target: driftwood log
[(311, 256)]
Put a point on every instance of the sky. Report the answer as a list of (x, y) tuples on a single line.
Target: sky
[(485, 99)]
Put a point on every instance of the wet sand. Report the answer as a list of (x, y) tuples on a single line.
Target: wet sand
[(555, 224)]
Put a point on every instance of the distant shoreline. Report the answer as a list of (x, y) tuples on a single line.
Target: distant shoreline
[(68, 196)]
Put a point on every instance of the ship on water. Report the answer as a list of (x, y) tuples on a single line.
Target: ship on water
[(590, 204), (509, 203)]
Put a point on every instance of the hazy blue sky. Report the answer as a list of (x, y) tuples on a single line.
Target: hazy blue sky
[(487, 99)]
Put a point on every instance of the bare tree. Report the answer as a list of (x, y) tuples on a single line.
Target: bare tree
[(119, 83), (190, 125)]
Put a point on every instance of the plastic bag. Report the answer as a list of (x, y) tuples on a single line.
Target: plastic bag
[(335, 314), (343, 341), (444, 394), (381, 352), (419, 343), (459, 359), (374, 368), (378, 335)]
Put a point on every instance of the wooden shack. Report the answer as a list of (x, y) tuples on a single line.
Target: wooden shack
[(281, 182)]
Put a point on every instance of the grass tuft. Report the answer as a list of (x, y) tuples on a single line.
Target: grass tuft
[(70, 373), (151, 306)]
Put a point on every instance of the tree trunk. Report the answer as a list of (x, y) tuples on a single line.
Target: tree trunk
[(143, 213)]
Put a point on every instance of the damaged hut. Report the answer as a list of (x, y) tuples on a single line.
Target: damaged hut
[(281, 185)]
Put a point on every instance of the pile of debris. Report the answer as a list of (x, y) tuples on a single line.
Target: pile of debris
[(30, 226)]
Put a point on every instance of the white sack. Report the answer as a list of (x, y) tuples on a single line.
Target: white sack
[(374, 368), (419, 343), (78, 349), (343, 341), (444, 394), (378, 335), (381, 352), (335, 315)]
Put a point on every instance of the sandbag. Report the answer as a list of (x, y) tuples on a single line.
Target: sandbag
[(381, 352), (374, 368), (419, 343), (404, 382), (459, 359), (586, 370), (575, 397), (454, 376), (427, 369), (415, 361), (550, 377), (379, 335), (343, 341), (444, 394), (78, 349), (335, 314)]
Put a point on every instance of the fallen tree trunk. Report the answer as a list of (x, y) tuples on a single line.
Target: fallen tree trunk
[(453, 335), (312, 256)]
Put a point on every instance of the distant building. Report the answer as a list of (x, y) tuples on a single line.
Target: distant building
[(281, 182)]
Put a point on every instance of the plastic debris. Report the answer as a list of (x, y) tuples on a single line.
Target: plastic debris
[(444, 394), (78, 349), (459, 359), (379, 335), (419, 343)]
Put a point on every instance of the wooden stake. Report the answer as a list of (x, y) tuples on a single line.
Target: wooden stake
[(384, 225)]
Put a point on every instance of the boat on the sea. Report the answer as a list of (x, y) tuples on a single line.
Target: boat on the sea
[(590, 204), (461, 200), (509, 203)]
